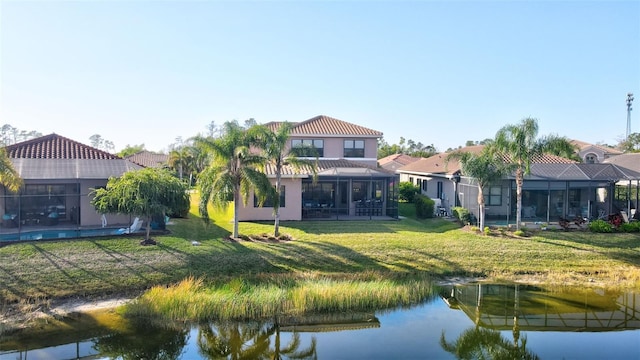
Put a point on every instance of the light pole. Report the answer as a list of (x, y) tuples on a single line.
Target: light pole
[(629, 108)]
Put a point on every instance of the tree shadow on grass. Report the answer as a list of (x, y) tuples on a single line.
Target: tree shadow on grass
[(371, 226), (621, 247)]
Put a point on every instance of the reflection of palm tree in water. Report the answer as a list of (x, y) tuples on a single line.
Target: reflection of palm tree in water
[(480, 343), (291, 350), (249, 341), (232, 340)]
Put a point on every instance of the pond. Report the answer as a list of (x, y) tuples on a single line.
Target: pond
[(465, 321)]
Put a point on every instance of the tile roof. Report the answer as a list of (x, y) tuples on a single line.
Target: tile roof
[(594, 172), (149, 159), (584, 145), (628, 160), (322, 125), (398, 158), (331, 168), (437, 163), (54, 146)]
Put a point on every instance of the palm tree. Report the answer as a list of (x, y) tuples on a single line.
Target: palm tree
[(291, 350), (485, 168), (520, 144), (9, 177), (278, 154), (233, 172)]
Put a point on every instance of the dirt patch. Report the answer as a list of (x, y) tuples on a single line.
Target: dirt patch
[(22, 315)]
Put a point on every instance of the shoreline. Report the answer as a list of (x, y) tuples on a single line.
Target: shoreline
[(18, 316)]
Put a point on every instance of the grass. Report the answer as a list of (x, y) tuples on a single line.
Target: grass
[(192, 300), (339, 250)]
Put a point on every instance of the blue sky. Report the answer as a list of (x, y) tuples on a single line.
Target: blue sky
[(436, 72)]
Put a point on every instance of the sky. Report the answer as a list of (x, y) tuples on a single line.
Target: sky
[(436, 72)]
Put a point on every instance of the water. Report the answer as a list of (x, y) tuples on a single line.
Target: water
[(465, 320), (60, 234)]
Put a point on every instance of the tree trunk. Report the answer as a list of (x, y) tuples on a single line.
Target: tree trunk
[(276, 209), (519, 181), (481, 208), (236, 204)]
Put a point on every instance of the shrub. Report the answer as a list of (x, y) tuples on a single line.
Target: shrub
[(487, 231), (630, 227), (474, 228), (424, 206), (519, 233), (600, 226), (407, 191), (462, 214)]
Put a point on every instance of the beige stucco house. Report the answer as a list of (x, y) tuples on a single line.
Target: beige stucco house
[(349, 183)]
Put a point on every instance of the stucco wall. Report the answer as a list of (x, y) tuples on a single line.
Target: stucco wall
[(88, 214), (291, 211)]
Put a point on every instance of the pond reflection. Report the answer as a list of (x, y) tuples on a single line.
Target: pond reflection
[(476, 321)]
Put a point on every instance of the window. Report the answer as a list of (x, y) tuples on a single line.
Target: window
[(308, 147), (411, 179), (424, 185), (591, 158), (268, 202), (440, 192), (419, 183), (354, 148), (493, 196)]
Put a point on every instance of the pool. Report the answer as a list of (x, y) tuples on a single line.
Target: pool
[(60, 234)]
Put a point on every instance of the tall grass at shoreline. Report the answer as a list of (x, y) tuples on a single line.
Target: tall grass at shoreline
[(193, 300)]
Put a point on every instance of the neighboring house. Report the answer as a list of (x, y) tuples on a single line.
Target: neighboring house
[(594, 154), (396, 161), (349, 184), (556, 188), (149, 159), (629, 161), (59, 175)]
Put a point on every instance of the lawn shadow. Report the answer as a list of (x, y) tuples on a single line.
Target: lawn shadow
[(371, 226), (618, 246)]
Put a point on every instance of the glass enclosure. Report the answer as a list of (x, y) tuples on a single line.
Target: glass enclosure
[(349, 197)]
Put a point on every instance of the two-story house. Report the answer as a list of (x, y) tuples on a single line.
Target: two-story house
[(349, 184), (594, 154)]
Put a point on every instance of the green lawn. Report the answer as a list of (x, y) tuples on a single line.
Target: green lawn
[(53, 269)]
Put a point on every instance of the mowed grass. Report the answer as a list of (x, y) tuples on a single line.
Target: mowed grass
[(332, 249)]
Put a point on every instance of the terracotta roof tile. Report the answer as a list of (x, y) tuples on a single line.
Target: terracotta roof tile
[(437, 163), (54, 146), (581, 145), (149, 159), (326, 126)]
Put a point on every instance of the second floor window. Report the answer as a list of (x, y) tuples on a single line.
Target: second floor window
[(354, 148), (308, 147)]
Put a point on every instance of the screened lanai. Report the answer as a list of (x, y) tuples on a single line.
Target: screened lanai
[(555, 191), (350, 193)]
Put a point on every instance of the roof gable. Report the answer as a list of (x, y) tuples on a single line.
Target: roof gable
[(54, 146)]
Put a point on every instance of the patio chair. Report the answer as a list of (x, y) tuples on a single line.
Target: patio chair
[(135, 226)]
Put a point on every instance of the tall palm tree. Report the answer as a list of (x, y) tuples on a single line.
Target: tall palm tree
[(9, 177), (485, 168), (233, 172), (274, 145), (520, 143)]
